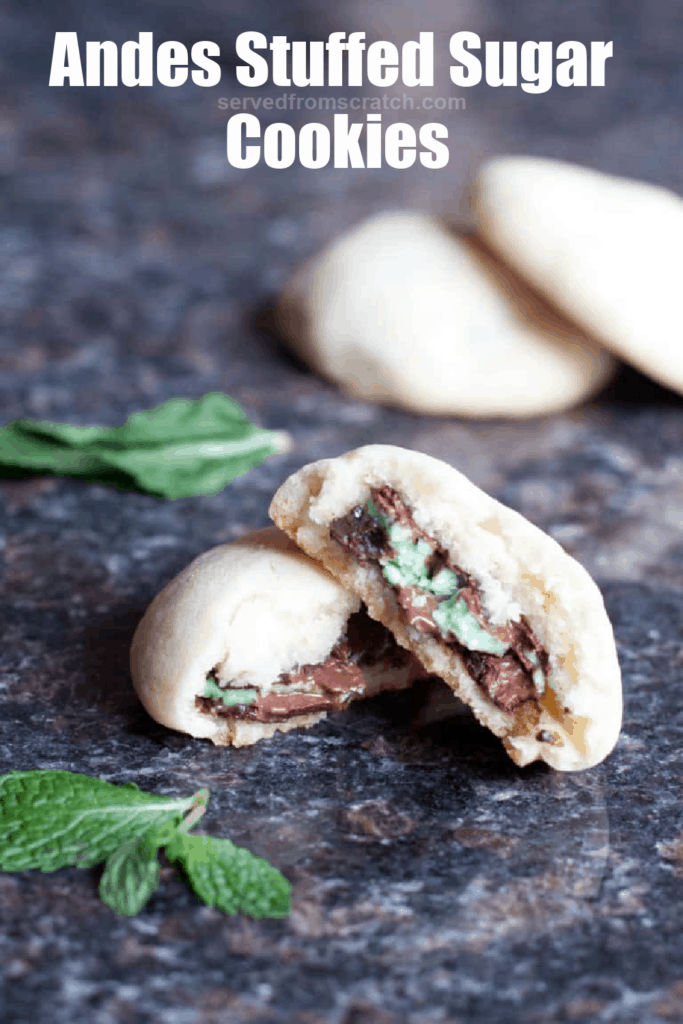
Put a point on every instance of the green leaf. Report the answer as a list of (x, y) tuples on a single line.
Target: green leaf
[(179, 449), (230, 878), (53, 819), (184, 419), (63, 433), (131, 875), (35, 448)]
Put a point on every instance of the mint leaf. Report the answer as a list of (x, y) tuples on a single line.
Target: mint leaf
[(131, 876), (230, 878), (65, 434), (179, 449), (53, 819)]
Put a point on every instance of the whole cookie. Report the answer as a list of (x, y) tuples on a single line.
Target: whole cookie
[(485, 600), (401, 311), (604, 249), (255, 637)]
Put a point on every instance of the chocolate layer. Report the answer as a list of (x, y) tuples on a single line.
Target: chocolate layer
[(507, 679), (331, 685)]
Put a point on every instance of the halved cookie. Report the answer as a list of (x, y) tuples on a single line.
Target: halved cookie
[(255, 637), (485, 600)]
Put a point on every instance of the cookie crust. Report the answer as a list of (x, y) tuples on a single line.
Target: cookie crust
[(401, 311), (250, 610), (604, 249), (521, 571)]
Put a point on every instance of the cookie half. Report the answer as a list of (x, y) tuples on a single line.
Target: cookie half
[(604, 249), (485, 600), (255, 637)]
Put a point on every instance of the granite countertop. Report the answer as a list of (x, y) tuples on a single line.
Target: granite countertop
[(434, 882)]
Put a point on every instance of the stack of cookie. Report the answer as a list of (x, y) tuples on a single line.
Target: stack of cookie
[(568, 267)]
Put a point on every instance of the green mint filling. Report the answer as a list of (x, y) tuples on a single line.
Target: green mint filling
[(229, 697), (445, 582), (537, 675), (454, 616), (375, 512), (409, 569), (409, 566)]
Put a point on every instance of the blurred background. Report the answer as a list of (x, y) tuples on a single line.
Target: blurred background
[(128, 240)]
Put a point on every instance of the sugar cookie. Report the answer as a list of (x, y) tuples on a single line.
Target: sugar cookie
[(401, 311), (255, 637), (604, 249), (485, 600)]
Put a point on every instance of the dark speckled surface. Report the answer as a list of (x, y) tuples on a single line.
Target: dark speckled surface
[(434, 882)]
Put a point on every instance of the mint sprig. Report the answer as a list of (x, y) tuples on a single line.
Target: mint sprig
[(179, 449), (55, 819), (131, 876), (230, 878)]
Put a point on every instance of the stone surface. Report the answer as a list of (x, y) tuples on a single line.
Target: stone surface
[(434, 883)]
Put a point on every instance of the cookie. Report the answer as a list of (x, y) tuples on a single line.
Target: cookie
[(255, 637), (401, 311), (484, 599), (604, 249)]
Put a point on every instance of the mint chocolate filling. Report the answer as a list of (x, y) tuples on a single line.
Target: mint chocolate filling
[(231, 697), (439, 598), (308, 689)]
